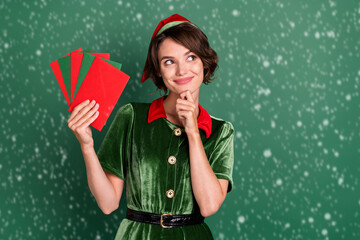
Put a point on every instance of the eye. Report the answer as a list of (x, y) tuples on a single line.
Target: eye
[(168, 62), (192, 58)]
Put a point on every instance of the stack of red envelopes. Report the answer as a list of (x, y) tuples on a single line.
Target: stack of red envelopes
[(83, 75)]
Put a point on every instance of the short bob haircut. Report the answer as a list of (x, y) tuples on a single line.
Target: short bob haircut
[(190, 37)]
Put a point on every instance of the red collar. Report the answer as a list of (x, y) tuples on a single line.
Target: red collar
[(157, 110)]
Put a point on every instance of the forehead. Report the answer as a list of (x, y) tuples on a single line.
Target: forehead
[(170, 47)]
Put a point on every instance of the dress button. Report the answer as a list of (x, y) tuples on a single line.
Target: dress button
[(177, 131), (172, 160), (170, 193)]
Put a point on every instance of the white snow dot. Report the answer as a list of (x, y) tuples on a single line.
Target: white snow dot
[(299, 123), (238, 134), (266, 63), (306, 173), (311, 220), (330, 34), (38, 52), (267, 153), (317, 35), (257, 107), (327, 216), (325, 122), (348, 97), (6, 45), (235, 13), (138, 16), (241, 219), (340, 181), (171, 7), (324, 232), (279, 182), (19, 178)]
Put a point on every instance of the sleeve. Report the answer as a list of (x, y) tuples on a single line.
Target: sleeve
[(222, 157), (114, 151)]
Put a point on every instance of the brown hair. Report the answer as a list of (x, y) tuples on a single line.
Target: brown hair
[(192, 38)]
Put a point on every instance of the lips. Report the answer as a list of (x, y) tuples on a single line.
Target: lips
[(183, 80)]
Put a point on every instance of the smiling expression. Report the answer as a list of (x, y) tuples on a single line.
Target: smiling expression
[(180, 68)]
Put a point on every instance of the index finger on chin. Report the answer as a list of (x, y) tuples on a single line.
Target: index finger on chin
[(189, 96)]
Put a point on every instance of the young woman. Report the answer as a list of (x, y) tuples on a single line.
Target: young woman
[(175, 159)]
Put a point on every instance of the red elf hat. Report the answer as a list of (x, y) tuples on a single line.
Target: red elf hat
[(165, 24)]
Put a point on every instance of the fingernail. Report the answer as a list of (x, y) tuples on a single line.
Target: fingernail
[(93, 101), (87, 101)]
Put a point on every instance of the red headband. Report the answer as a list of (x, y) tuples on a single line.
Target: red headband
[(167, 23)]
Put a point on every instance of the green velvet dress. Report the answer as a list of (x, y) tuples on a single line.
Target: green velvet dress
[(138, 152)]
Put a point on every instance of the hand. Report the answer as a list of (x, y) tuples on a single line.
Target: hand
[(186, 110), (81, 117)]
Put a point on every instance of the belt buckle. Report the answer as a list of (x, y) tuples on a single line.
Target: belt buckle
[(161, 220)]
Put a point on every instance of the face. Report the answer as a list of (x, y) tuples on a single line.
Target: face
[(180, 68)]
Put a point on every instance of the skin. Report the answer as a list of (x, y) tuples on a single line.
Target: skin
[(182, 73)]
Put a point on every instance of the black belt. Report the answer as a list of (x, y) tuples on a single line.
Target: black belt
[(164, 220)]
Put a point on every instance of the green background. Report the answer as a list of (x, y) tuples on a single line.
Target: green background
[(288, 80)]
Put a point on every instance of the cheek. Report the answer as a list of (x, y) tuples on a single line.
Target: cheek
[(199, 68), (165, 71)]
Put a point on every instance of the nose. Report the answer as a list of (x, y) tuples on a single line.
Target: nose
[(181, 69)]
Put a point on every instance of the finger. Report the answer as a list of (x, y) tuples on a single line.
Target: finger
[(88, 115), (85, 116), (184, 114), (187, 96), (82, 112), (78, 108), (183, 107), (90, 120), (184, 102)]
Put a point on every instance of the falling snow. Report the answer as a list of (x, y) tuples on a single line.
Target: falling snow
[(288, 80)]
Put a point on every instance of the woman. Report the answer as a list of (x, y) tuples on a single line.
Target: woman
[(175, 159)]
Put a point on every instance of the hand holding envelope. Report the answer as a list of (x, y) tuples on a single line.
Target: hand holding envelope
[(90, 76)]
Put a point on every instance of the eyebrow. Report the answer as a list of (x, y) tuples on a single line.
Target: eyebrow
[(169, 57)]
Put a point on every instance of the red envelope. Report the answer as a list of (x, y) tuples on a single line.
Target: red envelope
[(103, 83), (56, 69), (76, 60)]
